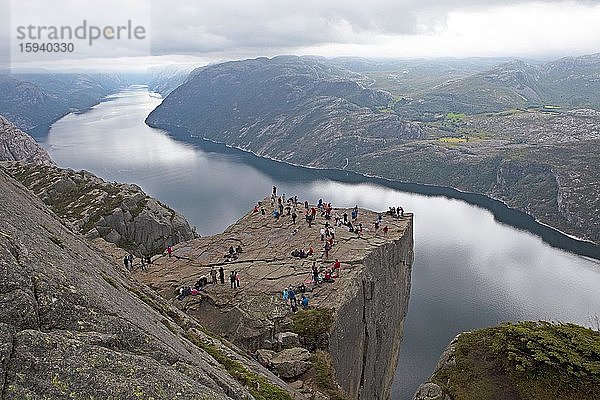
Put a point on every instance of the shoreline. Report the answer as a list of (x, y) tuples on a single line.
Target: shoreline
[(501, 211)]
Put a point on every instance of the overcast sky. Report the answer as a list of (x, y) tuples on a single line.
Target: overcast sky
[(201, 31)]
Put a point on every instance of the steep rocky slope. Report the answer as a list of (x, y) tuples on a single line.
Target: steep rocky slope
[(357, 320), (282, 107), (15, 145), (74, 326), (33, 101), (119, 213)]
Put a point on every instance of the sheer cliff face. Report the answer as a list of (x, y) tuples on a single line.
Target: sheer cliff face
[(73, 326), (366, 336), (15, 145)]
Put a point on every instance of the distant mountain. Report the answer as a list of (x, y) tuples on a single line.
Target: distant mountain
[(164, 80), (315, 112), (568, 82), (287, 104), (33, 101), (16, 145)]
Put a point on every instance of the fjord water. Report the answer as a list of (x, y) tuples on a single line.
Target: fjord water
[(470, 271)]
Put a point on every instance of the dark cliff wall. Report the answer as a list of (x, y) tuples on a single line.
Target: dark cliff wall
[(367, 331)]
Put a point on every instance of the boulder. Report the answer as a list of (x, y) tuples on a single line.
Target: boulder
[(291, 363), (264, 357), (430, 391), (287, 340)]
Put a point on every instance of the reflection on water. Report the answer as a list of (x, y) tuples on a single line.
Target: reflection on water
[(470, 271)]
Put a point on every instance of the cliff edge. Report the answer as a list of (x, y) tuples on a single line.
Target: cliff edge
[(353, 323), (16, 145), (73, 324), (116, 212)]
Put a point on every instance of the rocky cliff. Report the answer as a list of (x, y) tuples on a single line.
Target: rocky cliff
[(357, 320), (377, 302), (527, 360), (73, 325), (282, 107), (316, 113), (33, 101), (16, 145), (119, 213)]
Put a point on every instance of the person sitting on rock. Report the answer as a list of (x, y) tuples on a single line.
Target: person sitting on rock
[(311, 251), (200, 283), (238, 249), (303, 254), (304, 301), (183, 292), (327, 277), (296, 253), (231, 250)]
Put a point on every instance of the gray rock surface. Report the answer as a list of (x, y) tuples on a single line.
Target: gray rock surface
[(291, 363), (430, 391), (73, 326), (16, 145), (119, 213), (368, 301), (287, 340), (371, 319)]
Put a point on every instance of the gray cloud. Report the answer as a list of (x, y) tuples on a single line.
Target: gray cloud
[(223, 26)]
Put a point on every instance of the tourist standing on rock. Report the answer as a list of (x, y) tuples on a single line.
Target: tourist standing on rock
[(315, 273), (385, 230), (305, 205), (294, 216), (337, 265), (126, 262), (274, 190), (322, 231), (292, 296), (130, 257), (327, 247), (237, 279), (345, 218), (213, 275), (232, 279), (222, 275), (285, 295), (170, 251)]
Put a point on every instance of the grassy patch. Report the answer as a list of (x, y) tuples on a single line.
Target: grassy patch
[(325, 377), (530, 360), (110, 281), (257, 385), (310, 324), (169, 326)]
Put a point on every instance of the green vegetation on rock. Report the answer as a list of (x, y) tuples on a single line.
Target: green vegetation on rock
[(528, 360), (325, 376), (312, 323), (258, 385)]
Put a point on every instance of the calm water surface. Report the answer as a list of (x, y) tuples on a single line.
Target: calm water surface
[(470, 271)]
